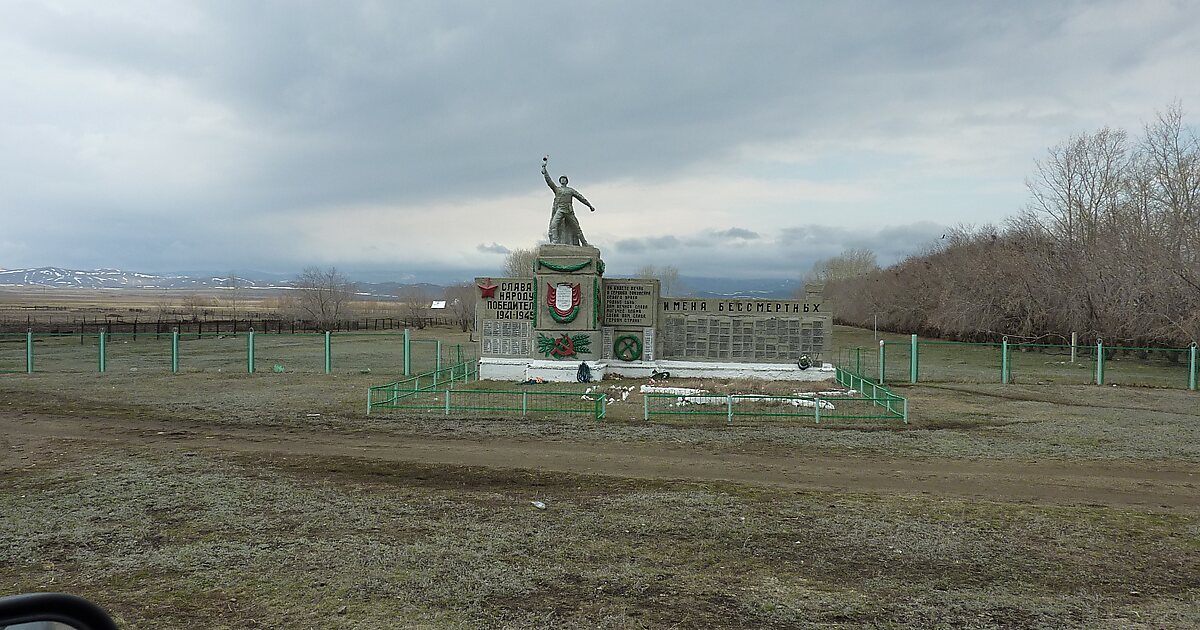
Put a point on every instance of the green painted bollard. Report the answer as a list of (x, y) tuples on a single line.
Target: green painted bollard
[(407, 352), (1192, 367), (102, 364), (437, 362), (882, 355), (174, 350), (1099, 362), (250, 351), (328, 352), (29, 352), (912, 361), (1004, 377)]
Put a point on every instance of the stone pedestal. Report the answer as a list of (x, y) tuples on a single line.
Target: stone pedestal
[(567, 308)]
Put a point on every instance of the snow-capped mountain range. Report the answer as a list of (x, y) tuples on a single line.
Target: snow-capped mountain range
[(112, 279), (57, 277)]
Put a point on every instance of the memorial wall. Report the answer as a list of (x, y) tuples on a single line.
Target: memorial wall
[(743, 330)]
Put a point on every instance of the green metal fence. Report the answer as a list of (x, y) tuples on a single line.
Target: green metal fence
[(814, 407), (434, 392), (1007, 361), (388, 353)]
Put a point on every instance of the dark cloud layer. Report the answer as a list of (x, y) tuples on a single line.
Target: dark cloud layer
[(180, 135)]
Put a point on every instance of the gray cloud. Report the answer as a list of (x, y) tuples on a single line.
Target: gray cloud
[(492, 248), (652, 243), (736, 232), (787, 254)]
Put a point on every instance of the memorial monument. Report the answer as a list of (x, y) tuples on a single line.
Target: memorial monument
[(568, 313)]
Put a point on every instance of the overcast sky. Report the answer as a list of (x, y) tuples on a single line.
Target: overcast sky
[(733, 139)]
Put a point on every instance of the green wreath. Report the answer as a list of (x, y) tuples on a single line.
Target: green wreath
[(627, 348), (563, 268)]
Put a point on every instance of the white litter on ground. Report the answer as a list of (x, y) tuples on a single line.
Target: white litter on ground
[(677, 391), (799, 401)]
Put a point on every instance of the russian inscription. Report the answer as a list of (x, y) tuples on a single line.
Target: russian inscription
[(630, 302)]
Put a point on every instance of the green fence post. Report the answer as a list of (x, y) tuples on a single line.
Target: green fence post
[(912, 361), (437, 363), (1192, 367), (524, 403), (1099, 361), (858, 360), (174, 350), (646, 407), (882, 353), (102, 348), (328, 352), (447, 402), (1004, 360), (29, 351), (407, 352), (250, 351), (729, 408), (817, 408)]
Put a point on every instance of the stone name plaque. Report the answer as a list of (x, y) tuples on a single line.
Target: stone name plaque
[(507, 338), (744, 330)]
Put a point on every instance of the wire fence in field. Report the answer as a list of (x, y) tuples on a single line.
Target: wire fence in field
[(927, 361), (247, 352)]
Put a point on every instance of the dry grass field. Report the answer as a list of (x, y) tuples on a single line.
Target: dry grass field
[(226, 500)]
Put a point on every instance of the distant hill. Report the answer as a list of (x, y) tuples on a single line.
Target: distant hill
[(56, 277)]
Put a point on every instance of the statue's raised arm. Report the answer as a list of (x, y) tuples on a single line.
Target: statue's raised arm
[(549, 182)]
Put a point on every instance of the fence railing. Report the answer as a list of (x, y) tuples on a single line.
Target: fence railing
[(896, 406), (730, 407), (1006, 362), (388, 395), (434, 392), (251, 351)]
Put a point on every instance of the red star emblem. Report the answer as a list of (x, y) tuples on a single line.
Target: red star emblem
[(487, 289)]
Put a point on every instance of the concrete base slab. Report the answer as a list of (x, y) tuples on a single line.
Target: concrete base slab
[(498, 369), (764, 371), (515, 370), (502, 369)]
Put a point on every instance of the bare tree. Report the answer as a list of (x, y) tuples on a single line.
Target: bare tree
[(194, 305), (323, 296), (668, 278), (415, 302), (519, 263), (461, 300), (233, 294), (851, 263)]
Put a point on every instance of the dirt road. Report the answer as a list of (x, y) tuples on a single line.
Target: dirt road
[(1171, 486)]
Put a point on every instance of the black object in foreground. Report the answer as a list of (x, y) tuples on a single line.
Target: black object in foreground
[(584, 373), (71, 610)]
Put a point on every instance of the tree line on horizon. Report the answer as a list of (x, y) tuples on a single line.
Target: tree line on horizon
[(1108, 246)]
